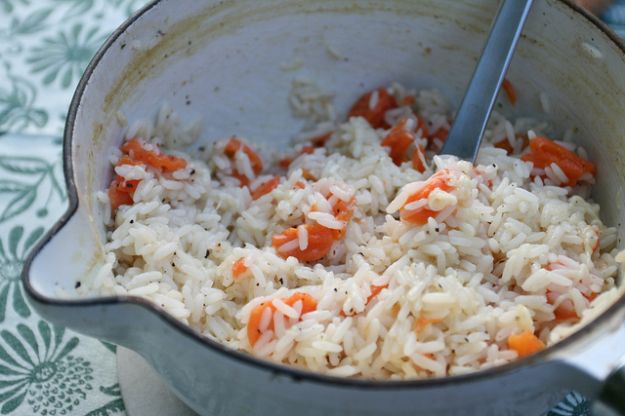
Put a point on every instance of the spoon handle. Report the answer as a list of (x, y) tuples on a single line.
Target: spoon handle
[(468, 127)]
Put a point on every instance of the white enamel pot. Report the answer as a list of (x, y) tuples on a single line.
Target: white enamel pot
[(224, 61)]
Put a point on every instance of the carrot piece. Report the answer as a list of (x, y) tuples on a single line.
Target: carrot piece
[(375, 291), (306, 174), (232, 147), (265, 187), (121, 191), (398, 140), (418, 156), (525, 343), (127, 160), (243, 180), (408, 100), (253, 323), (135, 149), (422, 322), (436, 139), (239, 268), (544, 152), (596, 245), (284, 163), (505, 145), (309, 304), (343, 211), (375, 115), (565, 310), (509, 90), (320, 240), (425, 132), (440, 180), (299, 185), (118, 197), (321, 140), (590, 296)]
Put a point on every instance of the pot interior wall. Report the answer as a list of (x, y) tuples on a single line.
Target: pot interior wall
[(231, 65)]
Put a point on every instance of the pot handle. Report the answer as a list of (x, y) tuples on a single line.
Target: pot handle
[(599, 368), (611, 398)]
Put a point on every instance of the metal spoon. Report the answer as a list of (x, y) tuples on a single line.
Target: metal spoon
[(468, 128)]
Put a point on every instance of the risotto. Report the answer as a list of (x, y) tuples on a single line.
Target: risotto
[(362, 253)]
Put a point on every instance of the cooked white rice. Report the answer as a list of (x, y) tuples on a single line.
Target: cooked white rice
[(479, 270)]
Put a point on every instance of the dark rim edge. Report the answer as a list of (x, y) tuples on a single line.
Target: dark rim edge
[(279, 369)]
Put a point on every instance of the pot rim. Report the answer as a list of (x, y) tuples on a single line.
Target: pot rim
[(277, 369)]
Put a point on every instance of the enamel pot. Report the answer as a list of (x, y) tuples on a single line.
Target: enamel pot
[(232, 63)]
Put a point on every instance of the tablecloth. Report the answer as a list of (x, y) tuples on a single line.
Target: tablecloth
[(45, 46)]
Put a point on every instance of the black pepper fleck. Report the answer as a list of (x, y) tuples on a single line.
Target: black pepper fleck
[(77, 285), (173, 264), (132, 221)]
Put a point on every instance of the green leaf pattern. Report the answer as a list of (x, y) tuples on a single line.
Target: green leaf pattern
[(45, 45), (45, 370)]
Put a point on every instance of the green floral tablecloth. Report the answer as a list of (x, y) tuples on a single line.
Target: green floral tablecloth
[(44, 47)]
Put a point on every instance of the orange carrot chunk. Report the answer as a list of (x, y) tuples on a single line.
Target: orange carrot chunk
[(285, 162), (232, 147), (343, 211), (309, 304), (117, 195), (418, 156), (239, 268), (136, 150), (265, 187), (374, 114), (320, 240), (409, 100), (440, 180), (127, 160), (422, 322), (436, 139), (253, 323), (544, 152), (375, 291), (565, 310), (398, 140), (525, 343), (321, 140), (505, 144), (306, 174), (509, 90)]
